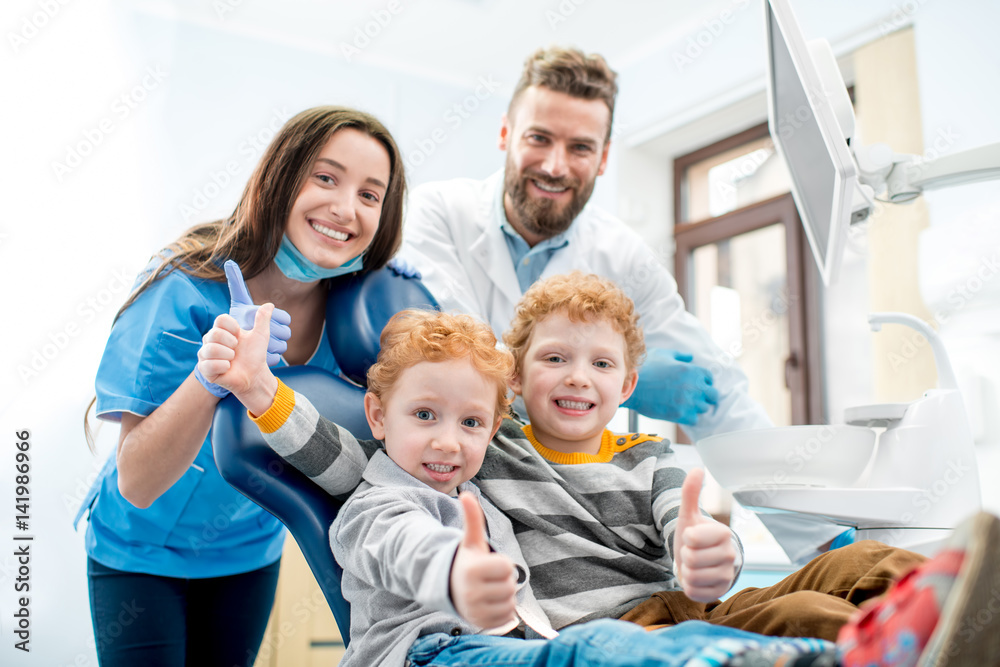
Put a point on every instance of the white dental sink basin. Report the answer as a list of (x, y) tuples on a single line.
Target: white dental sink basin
[(918, 484), (831, 455)]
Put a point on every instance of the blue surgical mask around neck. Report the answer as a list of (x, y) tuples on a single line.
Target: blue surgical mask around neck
[(293, 264)]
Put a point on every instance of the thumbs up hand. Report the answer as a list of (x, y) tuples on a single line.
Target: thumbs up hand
[(234, 359), (704, 555), (243, 310), (483, 583)]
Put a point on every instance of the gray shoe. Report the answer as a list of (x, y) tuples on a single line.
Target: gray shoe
[(968, 632)]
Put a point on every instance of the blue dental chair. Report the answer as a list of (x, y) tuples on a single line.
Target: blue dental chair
[(357, 309)]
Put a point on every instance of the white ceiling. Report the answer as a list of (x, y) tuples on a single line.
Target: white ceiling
[(454, 41)]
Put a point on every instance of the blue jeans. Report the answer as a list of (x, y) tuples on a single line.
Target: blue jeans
[(609, 643), (144, 620)]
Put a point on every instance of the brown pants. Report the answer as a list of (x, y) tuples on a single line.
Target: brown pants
[(812, 602)]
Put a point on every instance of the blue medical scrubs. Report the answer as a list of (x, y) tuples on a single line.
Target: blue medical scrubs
[(201, 527)]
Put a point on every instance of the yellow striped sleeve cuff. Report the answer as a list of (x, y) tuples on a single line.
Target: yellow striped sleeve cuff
[(276, 415)]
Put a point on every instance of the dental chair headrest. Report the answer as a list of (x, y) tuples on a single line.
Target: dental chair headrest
[(358, 308)]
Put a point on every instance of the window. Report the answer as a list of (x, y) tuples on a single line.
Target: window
[(744, 270)]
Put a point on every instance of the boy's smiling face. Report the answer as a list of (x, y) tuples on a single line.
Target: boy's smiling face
[(436, 421), (573, 377)]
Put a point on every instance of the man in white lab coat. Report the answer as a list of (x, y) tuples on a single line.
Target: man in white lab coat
[(480, 244)]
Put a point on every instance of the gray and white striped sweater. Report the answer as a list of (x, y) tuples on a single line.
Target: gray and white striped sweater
[(596, 534)]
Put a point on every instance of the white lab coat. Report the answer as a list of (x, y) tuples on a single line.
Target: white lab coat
[(452, 235)]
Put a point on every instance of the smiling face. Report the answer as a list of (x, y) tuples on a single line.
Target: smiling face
[(556, 148), (573, 377), (336, 213), (437, 421)]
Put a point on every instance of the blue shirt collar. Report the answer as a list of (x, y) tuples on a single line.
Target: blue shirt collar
[(529, 261)]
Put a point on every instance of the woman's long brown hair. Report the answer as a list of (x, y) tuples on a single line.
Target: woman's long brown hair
[(252, 234)]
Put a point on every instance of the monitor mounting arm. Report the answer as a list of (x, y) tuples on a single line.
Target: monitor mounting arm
[(902, 177)]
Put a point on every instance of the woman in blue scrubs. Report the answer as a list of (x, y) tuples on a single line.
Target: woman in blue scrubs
[(182, 568)]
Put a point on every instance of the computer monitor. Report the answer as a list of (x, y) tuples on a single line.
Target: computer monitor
[(807, 119)]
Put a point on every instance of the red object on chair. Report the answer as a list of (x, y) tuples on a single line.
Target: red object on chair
[(941, 613)]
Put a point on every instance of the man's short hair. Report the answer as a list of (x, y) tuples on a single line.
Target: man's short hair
[(569, 71), (414, 335), (583, 298)]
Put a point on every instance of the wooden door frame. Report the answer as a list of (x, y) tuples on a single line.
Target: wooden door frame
[(804, 366)]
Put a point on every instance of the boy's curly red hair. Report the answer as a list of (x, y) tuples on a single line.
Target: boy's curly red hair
[(413, 335), (583, 297)]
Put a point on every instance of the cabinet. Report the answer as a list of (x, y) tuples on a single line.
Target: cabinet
[(301, 631)]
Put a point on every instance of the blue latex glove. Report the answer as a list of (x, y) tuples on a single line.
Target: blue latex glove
[(210, 387), (845, 538), (673, 389), (243, 310), (403, 268)]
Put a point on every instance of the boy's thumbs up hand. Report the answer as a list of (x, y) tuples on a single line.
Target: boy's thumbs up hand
[(483, 583), (704, 556), (236, 359), (475, 524)]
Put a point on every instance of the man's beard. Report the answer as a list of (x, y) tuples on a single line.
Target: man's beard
[(544, 217)]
